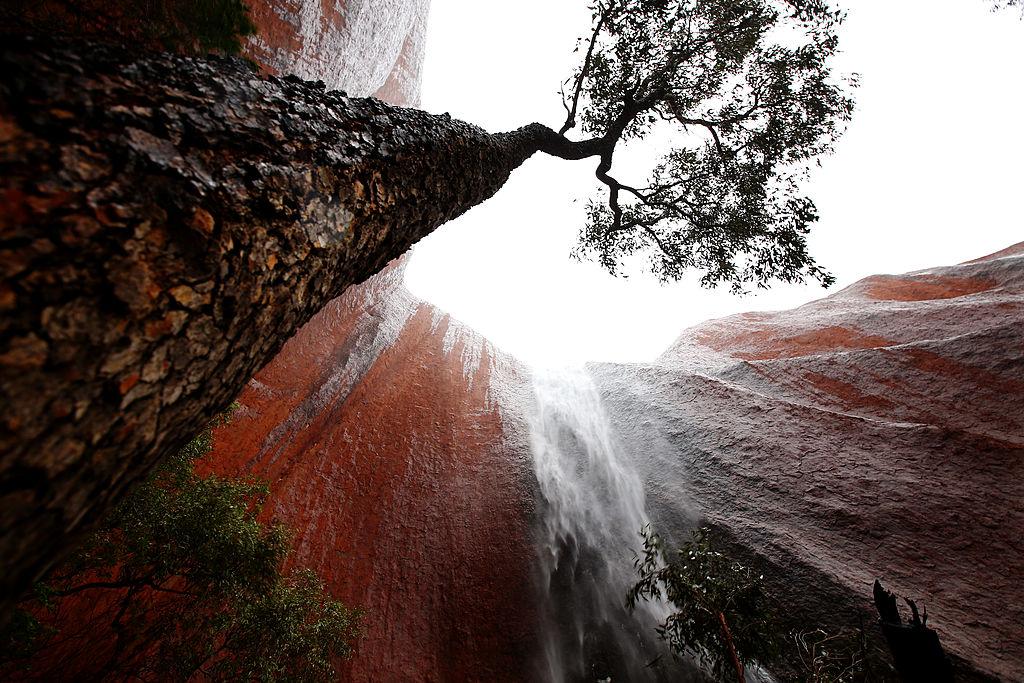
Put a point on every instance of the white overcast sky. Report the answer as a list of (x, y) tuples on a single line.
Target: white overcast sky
[(929, 173)]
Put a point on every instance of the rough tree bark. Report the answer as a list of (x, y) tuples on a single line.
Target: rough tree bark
[(166, 223)]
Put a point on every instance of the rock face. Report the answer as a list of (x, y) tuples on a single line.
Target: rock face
[(380, 430), (876, 433), (380, 427), (364, 47)]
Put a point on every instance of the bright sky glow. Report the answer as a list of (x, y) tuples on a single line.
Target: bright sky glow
[(929, 173)]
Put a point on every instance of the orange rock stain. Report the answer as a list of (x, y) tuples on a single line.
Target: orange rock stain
[(924, 288), (768, 343)]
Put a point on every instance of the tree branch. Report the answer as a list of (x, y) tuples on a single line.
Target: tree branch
[(548, 141), (96, 584), (731, 648), (613, 190), (711, 126), (133, 584), (570, 119)]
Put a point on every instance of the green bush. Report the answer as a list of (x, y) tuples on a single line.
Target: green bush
[(201, 25), (721, 612), (195, 585), (724, 617)]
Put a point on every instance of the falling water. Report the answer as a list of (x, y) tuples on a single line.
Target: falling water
[(591, 510)]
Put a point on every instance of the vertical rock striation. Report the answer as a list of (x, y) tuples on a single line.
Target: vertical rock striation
[(380, 429), (393, 436)]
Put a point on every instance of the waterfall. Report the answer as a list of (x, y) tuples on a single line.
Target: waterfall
[(590, 512)]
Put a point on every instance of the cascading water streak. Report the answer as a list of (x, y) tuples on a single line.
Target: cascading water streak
[(591, 510)]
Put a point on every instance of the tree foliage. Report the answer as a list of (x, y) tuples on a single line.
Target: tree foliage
[(725, 618), (190, 582), (1004, 4), (748, 87), (721, 612), (201, 25), (188, 26)]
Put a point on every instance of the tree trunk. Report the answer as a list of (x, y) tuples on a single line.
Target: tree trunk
[(166, 224), (731, 648)]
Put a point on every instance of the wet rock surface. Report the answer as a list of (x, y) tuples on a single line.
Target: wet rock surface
[(872, 434), (876, 433), (380, 431)]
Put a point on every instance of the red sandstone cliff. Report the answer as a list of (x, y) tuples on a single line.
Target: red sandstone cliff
[(875, 433), (380, 430), (379, 426)]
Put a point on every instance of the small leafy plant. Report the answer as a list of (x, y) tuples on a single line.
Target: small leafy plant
[(725, 618), (721, 612)]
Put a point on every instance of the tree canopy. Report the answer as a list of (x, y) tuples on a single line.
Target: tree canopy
[(748, 86), (1004, 4)]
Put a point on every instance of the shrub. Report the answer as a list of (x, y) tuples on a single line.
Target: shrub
[(183, 578), (721, 612)]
